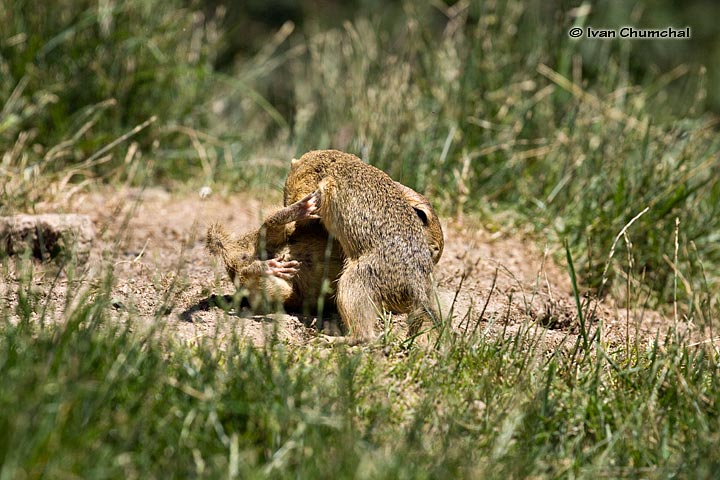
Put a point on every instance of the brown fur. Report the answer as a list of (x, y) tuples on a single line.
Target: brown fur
[(303, 268), (388, 259), (428, 217), (291, 265)]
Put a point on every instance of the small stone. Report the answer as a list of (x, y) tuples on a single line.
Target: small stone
[(205, 192), (117, 303)]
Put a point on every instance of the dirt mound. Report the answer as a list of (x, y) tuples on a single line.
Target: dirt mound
[(154, 242)]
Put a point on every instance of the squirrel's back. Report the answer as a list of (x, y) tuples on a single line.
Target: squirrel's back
[(363, 207)]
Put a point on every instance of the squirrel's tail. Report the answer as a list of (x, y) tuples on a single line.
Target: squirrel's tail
[(217, 240)]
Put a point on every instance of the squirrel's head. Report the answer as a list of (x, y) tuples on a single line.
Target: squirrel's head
[(429, 219)]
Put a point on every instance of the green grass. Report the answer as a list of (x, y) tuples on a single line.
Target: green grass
[(497, 114), (87, 396), (486, 109), (493, 112)]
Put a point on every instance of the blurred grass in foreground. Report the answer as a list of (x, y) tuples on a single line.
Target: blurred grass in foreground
[(94, 397)]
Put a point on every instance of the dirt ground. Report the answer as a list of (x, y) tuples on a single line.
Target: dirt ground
[(492, 283)]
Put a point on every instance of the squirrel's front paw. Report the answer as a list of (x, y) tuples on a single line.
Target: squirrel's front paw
[(282, 269), (308, 206)]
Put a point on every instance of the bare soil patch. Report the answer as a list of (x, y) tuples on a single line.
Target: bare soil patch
[(154, 241)]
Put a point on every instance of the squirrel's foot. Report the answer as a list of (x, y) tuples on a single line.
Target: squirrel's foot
[(307, 207), (282, 269), (303, 209)]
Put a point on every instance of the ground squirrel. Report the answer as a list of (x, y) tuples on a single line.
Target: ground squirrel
[(388, 259), (296, 264), (289, 265)]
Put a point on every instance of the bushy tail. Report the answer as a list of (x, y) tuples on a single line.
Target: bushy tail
[(217, 240)]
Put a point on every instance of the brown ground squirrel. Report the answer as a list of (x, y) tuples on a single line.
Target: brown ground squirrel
[(295, 265), (289, 265), (389, 261)]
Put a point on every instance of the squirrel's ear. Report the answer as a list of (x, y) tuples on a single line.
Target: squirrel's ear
[(422, 215), (294, 162), (411, 196)]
